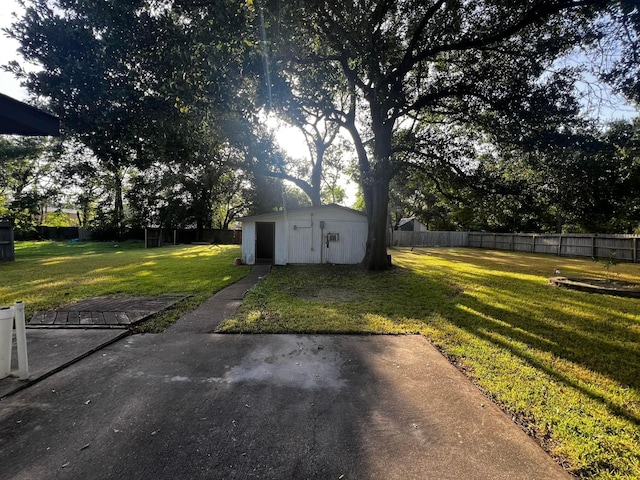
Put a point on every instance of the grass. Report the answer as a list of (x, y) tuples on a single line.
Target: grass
[(564, 364), (47, 275)]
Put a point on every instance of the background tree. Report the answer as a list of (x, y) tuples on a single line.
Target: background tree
[(26, 181), (585, 180), (445, 89), (305, 173), (234, 198), (139, 82), (87, 52), (337, 166)]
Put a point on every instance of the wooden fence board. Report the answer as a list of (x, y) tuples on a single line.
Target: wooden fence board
[(428, 239), (601, 247)]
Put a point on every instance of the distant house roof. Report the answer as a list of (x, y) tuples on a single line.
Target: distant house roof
[(301, 209), (411, 224), (17, 118), (404, 221)]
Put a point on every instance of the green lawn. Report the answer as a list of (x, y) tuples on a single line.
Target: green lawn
[(564, 364), (46, 275)]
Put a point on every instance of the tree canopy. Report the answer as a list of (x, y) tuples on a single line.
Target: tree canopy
[(472, 100)]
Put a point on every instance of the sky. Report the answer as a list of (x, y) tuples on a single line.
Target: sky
[(289, 138), (8, 51)]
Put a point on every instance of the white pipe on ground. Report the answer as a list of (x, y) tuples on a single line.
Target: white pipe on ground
[(6, 333), (21, 340)]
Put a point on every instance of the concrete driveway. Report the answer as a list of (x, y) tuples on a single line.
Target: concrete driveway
[(185, 405)]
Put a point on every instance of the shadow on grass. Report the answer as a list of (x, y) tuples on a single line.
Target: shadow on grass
[(564, 362), (567, 335), (525, 316), (55, 273), (524, 338)]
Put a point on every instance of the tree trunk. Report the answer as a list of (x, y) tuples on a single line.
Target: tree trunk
[(314, 196), (118, 212), (559, 221), (376, 192), (316, 174), (376, 254)]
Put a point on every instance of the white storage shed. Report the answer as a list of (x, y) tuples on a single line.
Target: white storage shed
[(324, 234)]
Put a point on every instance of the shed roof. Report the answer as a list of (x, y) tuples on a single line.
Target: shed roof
[(17, 118), (302, 209)]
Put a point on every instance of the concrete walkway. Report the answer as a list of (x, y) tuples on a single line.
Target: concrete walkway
[(223, 304), (179, 405)]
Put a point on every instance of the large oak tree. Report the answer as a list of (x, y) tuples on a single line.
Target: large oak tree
[(417, 69)]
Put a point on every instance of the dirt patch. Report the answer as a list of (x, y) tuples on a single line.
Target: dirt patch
[(324, 294)]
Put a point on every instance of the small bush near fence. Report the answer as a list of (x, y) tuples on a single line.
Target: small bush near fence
[(602, 247)]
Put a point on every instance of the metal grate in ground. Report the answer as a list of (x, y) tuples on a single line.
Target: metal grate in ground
[(104, 312)]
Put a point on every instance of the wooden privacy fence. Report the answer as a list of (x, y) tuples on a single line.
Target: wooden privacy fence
[(620, 247), (152, 237), (603, 247), (430, 238), (157, 237)]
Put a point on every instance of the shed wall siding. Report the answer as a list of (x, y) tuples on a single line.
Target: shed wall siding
[(419, 227), (351, 245), (307, 242), (281, 242), (304, 237), (299, 239), (249, 242)]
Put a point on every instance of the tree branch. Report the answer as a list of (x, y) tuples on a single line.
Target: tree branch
[(540, 11)]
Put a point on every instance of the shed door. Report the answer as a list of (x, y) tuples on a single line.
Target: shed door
[(265, 242)]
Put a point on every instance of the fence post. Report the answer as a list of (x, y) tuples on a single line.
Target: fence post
[(560, 245), (533, 243), (7, 250), (635, 250), (21, 340), (6, 333)]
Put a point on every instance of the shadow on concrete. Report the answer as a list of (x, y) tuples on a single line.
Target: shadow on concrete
[(264, 406)]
